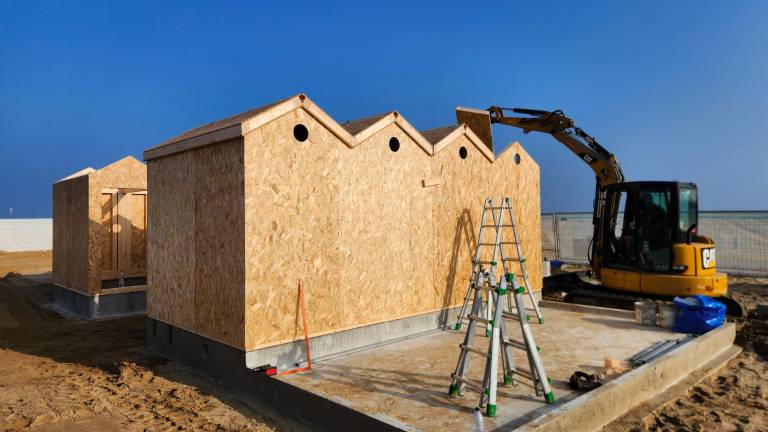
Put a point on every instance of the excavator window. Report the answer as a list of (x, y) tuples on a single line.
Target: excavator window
[(654, 229), (689, 211)]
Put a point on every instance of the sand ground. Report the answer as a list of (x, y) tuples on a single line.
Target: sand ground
[(736, 398), (67, 375)]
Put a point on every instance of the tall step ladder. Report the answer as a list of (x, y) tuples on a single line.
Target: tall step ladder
[(499, 224), (482, 269), (499, 346), (505, 212)]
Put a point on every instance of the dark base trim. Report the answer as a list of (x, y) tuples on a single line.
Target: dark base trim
[(100, 306), (227, 364)]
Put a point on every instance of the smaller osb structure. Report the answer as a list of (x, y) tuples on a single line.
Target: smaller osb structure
[(377, 218), (99, 229)]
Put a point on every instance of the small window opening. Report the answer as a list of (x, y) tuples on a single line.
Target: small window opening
[(394, 144), (463, 152), (517, 158), (300, 132)]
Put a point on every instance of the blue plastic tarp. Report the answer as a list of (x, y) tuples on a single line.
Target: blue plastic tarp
[(698, 314)]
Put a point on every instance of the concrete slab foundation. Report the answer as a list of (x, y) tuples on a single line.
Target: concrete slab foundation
[(404, 385), (109, 303)]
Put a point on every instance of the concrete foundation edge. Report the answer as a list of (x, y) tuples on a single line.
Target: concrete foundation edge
[(227, 364), (599, 407), (99, 305)]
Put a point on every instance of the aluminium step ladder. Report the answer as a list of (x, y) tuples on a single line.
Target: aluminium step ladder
[(499, 347), (479, 272), (498, 252), (517, 256)]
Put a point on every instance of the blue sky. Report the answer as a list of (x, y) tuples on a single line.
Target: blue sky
[(677, 90)]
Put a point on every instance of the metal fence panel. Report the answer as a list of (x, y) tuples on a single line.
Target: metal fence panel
[(741, 238)]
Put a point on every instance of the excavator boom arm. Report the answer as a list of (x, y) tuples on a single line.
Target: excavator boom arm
[(601, 161)]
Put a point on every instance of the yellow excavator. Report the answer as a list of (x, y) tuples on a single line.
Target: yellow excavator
[(645, 241)]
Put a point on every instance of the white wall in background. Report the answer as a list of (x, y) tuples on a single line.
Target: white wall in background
[(26, 234)]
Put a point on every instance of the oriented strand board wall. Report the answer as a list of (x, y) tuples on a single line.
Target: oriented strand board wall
[(371, 243), (233, 226), (70, 233), (196, 241), (458, 208)]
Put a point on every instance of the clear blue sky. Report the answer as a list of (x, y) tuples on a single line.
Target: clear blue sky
[(678, 90)]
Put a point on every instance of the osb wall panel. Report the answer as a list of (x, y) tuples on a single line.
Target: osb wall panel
[(388, 247), (171, 239), (70, 233), (293, 224), (459, 205), (109, 246), (219, 241), (357, 225), (125, 173), (371, 242)]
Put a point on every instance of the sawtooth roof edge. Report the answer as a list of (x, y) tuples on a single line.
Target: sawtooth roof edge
[(351, 133)]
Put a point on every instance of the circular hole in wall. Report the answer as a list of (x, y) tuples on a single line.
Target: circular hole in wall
[(517, 158), (394, 144), (300, 132), (463, 152)]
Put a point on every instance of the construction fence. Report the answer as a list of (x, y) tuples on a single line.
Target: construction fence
[(741, 238)]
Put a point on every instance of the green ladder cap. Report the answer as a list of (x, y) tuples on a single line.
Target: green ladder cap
[(508, 380), (510, 277), (527, 317), (541, 320), (487, 333), (506, 199), (454, 390), (522, 260), (549, 380), (501, 291), (493, 263), (520, 290), (550, 397), (487, 391), (538, 348), (457, 327), (491, 411)]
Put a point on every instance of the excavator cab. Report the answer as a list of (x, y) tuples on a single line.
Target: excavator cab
[(650, 242)]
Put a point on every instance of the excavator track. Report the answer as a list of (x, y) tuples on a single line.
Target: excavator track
[(578, 288)]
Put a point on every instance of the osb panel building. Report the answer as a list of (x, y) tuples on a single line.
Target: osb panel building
[(99, 239), (378, 219)]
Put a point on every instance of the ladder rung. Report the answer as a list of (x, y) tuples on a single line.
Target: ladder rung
[(484, 262), (511, 259), (516, 344), (473, 349), (469, 383), (487, 244), (507, 225), (506, 242), (477, 318)]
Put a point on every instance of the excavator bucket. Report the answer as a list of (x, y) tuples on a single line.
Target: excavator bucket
[(479, 121)]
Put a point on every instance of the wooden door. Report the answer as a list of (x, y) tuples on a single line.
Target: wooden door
[(124, 233)]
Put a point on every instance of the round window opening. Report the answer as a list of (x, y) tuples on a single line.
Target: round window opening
[(517, 158), (394, 144), (300, 132), (463, 152)]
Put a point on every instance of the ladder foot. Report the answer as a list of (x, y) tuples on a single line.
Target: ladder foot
[(508, 380), (487, 333), (453, 390), (491, 410), (457, 327), (541, 320), (550, 397)]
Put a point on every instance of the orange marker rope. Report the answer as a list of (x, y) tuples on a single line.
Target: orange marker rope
[(306, 334)]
